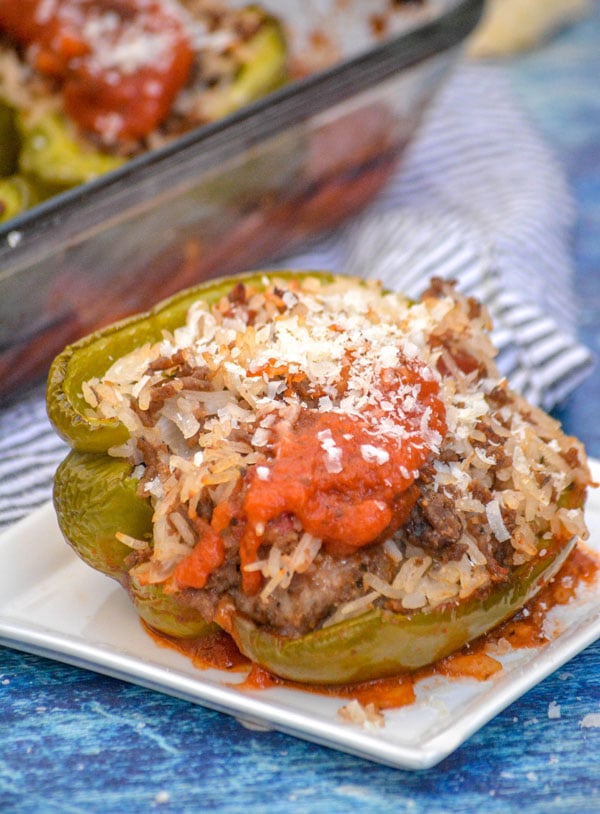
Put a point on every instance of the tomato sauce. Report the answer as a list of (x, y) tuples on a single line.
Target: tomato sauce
[(120, 63), (527, 627), (347, 481), (215, 650)]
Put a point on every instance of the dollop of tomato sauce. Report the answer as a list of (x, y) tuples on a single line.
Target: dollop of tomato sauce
[(348, 478), (121, 63)]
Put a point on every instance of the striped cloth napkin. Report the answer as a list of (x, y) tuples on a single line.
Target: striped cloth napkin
[(479, 199)]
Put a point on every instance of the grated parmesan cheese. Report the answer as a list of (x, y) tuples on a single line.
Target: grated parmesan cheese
[(494, 516), (325, 351)]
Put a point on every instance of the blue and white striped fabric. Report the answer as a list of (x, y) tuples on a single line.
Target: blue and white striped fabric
[(479, 199)]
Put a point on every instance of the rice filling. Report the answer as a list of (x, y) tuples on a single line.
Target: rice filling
[(313, 449)]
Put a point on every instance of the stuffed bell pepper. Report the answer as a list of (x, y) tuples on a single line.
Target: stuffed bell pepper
[(86, 84), (335, 475)]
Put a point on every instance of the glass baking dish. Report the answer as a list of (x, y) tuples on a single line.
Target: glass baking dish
[(234, 194)]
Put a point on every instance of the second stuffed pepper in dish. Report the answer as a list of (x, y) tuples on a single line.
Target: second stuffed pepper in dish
[(85, 84)]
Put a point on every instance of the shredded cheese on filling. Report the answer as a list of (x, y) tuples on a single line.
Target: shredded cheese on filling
[(331, 349)]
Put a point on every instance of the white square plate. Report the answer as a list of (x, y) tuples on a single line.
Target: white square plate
[(54, 605)]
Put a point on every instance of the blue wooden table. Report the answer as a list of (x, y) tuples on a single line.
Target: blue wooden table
[(73, 741)]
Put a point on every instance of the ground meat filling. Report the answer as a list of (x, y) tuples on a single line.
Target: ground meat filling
[(435, 526), (313, 450)]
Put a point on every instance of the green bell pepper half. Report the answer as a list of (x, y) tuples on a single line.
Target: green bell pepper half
[(263, 69), (51, 156), (95, 496)]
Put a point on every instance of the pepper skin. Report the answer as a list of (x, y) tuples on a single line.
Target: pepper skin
[(9, 140), (48, 160), (263, 69), (16, 195), (54, 158), (95, 497), (39, 157), (93, 492)]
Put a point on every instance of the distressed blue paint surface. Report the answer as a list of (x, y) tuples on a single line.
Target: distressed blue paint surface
[(72, 741)]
